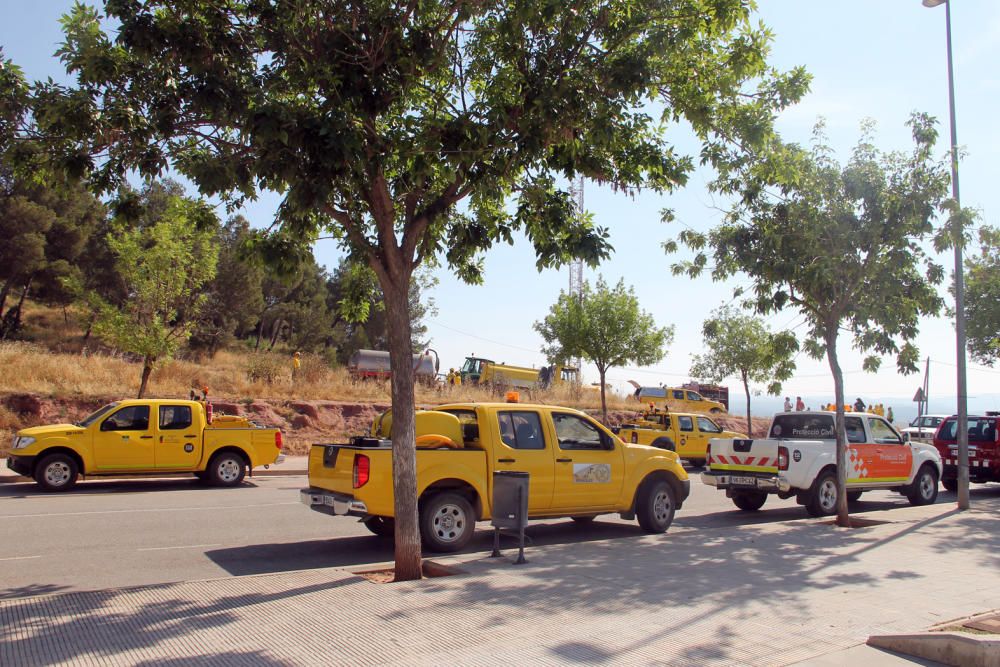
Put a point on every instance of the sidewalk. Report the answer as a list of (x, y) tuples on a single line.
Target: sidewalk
[(767, 594)]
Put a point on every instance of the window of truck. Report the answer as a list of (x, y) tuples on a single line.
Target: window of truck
[(129, 418), (521, 429), (574, 432), (791, 426), (883, 434), (692, 396), (855, 429), (980, 430), (706, 425), (685, 423), (94, 416), (678, 394), (175, 417)]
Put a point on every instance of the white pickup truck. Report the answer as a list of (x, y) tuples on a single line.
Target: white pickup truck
[(799, 459)]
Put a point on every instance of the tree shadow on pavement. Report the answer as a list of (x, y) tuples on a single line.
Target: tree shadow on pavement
[(61, 628)]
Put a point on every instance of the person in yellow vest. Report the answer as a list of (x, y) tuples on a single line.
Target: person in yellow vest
[(296, 365), (453, 378)]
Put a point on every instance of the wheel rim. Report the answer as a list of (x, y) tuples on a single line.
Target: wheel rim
[(229, 470), (828, 495), (449, 523), (927, 484), (662, 506), (57, 473)]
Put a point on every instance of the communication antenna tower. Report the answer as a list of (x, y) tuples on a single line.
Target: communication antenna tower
[(576, 268)]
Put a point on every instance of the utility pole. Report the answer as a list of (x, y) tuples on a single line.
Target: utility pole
[(576, 267)]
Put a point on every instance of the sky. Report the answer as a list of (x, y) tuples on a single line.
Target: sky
[(869, 59)]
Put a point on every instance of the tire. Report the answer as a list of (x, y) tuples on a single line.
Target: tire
[(854, 496), (656, 506), (583, 520), (227, 469), (749, 501), (697, 463), (822, 499), (950, 484), (925, 486), (447, 522), (57, 472), (664, 443), (381, 526)]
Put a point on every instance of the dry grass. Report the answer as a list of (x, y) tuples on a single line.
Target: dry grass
[(31, 368)]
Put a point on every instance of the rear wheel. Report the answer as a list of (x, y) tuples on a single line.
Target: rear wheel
[(749, 501), (950, 485), (57, 472), (381, 525), (925, 486), (227, 469), (447, 522), (822, 499), (655, 507)]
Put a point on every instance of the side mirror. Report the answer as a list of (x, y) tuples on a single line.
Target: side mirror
[(906, 437)]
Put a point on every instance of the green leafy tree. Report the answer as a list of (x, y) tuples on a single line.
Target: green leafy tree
[(982, 298), (376, 118), (163, 266), (741, 346), (604, 326), (842, 245)]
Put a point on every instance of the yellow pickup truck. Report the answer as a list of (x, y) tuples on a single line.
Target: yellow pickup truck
[(683, 432), (145, 437), (577, 469)]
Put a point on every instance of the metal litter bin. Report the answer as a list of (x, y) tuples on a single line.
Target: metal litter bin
[(510, 507)]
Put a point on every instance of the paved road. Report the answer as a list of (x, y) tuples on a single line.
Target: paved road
[(124, 532)]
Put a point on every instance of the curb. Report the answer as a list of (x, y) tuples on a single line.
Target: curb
[(279, 472), (949, 648)]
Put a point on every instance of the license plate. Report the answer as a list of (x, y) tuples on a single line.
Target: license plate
[(738, 480)]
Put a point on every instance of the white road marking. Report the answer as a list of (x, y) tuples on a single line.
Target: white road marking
[(20, 558), (161, 509), (189, 546)]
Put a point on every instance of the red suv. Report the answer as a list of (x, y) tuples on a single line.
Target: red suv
[(984, 449)]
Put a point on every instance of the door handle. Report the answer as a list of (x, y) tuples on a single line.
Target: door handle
[(145, 437), (506, 460), (564, 460), (190, 436)]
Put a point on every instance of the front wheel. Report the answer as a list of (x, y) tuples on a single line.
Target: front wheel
[(381, 526), (925, 487), (227, 469), (823, 496), (656, 506), (57, 472), (447, 522), (749, 501)]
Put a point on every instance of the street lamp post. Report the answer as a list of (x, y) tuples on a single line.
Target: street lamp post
[(963, 413)]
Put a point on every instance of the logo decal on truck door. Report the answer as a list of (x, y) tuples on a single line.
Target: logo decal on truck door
[(591, 473)]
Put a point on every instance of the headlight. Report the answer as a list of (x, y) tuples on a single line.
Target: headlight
[(23, 441)]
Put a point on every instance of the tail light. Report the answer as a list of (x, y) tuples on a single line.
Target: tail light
[(708, 454), (782, 458), (278, 441), (362, 468), (209, 413)]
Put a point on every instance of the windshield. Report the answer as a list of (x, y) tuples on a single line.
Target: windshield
[(94, 416), (791, 426)]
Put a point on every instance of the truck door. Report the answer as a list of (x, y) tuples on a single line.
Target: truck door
[(884, 458), (524, 447), (685, 434), (696, 446), (178, 438), (124, 440), (589, 465)]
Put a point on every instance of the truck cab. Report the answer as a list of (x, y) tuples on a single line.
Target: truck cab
[(686, 433), (678, 399), (984, 449)]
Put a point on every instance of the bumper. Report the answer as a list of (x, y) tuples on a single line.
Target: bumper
[(978, 469), (22, 465), (334, 504), (279, 460), (742, 481)]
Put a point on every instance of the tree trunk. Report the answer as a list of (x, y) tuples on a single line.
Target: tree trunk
[(843, 518), (746, 388), (147, 368), (15, 319), (404, 452), (260, 334), (604, 404), (3, 295)]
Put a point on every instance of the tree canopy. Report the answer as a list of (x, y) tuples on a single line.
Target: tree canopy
[(741, 346), (603, 325), (982, 298), (842, 245), (375, 118)]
